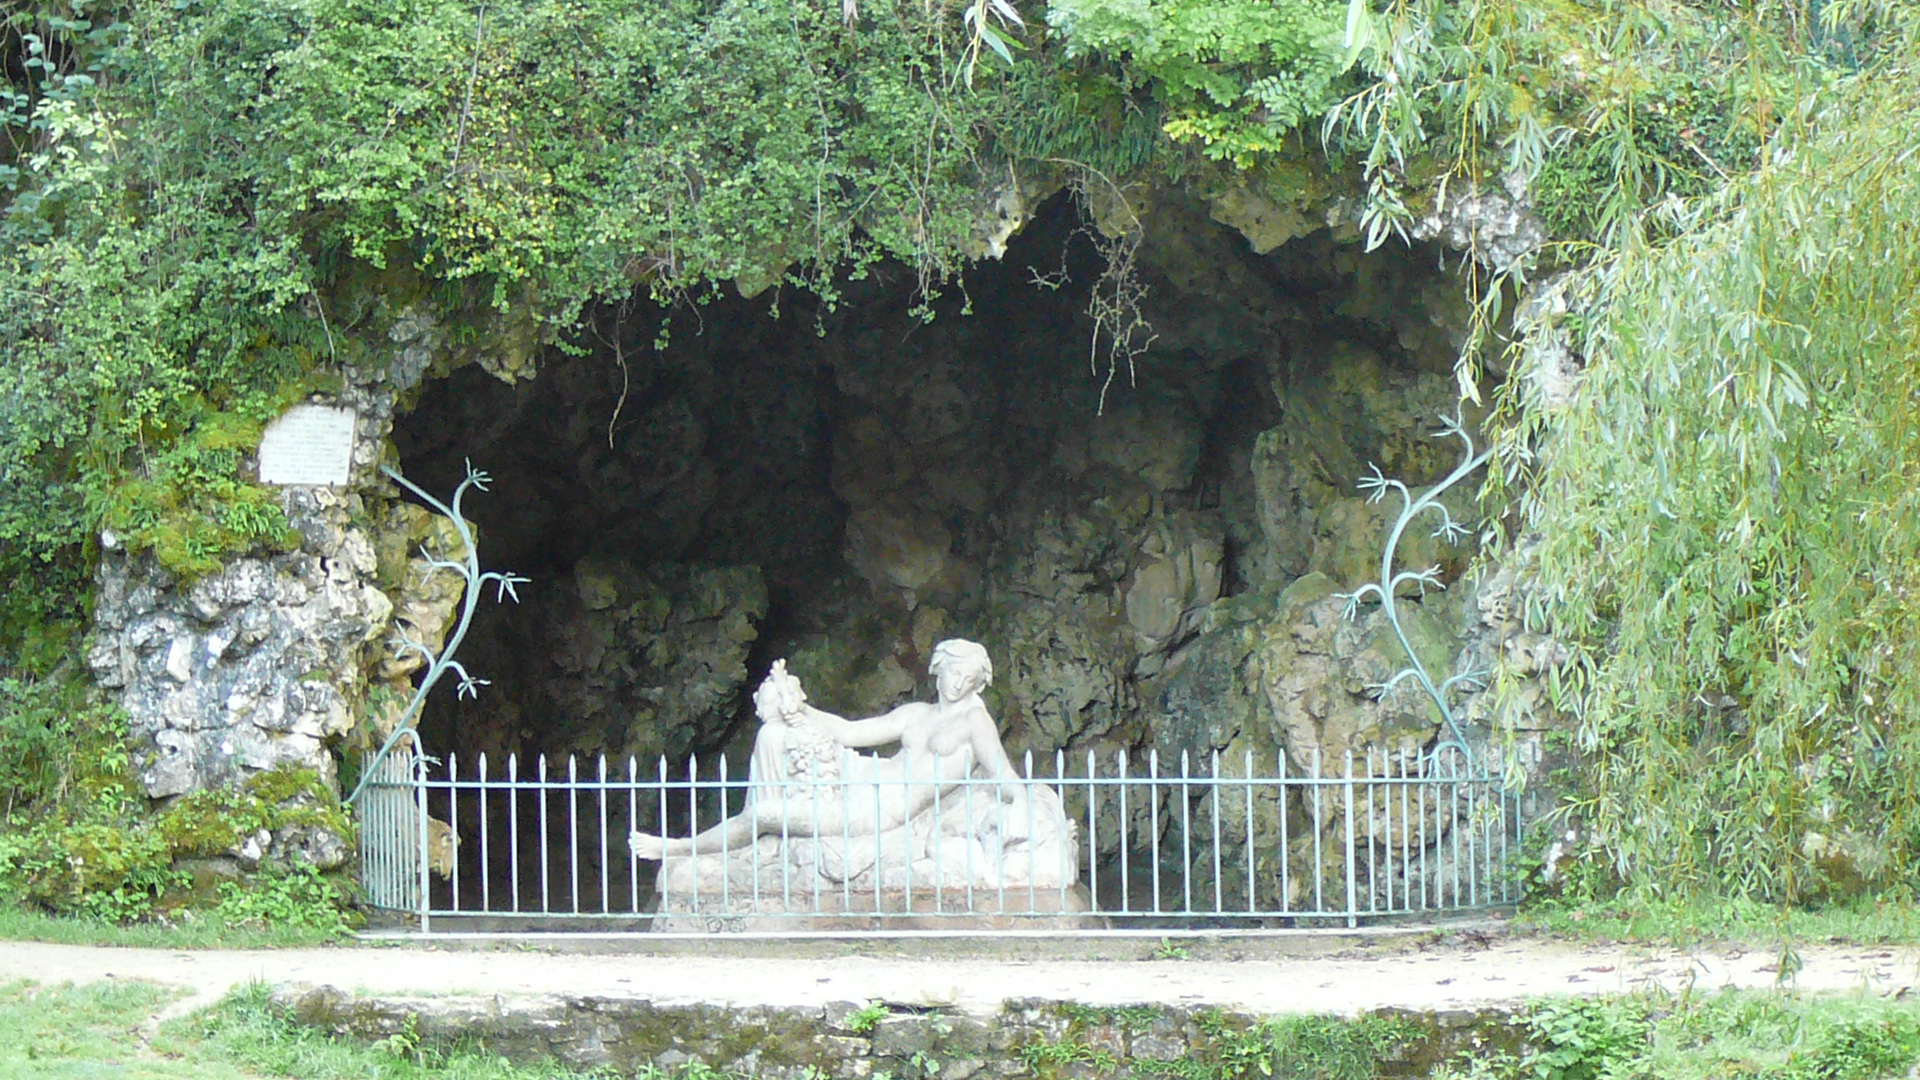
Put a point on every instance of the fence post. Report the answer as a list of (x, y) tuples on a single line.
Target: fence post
[(420, 765)]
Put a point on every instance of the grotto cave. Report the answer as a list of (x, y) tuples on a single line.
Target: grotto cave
[(844, 486)]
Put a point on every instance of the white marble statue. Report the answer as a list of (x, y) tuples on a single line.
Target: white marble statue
[(946, 811)]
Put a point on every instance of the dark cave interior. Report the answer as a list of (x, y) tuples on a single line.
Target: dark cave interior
[(843, 486)]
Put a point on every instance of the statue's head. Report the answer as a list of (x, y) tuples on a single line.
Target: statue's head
[(780, 697), (960, 668)]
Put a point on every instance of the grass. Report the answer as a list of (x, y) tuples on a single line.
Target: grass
[(74, 1032), (1706, 1036), (187, 932), (1684, 923)]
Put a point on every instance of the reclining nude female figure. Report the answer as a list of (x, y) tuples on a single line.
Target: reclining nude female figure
[(802, 782)]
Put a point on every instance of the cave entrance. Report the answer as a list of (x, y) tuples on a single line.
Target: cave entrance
[(845, 487)]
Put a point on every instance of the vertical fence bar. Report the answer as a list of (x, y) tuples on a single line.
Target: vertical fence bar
[(1375, 794), (1319, 858), (1406, 835), (787, 796), (1093, 836), (606, 852), (1120, 763), (846, 818), (1153, 820), (1428, 898), (546, 895), (1352, 919), (1027, 792), (1506, 853), (1252, 879), (633, 824), (1453, 828), (1064, 870), (513, 828), (662, 881), (749, 805), (906, 833), (1286, 853), (1383, 781), (453, 825), (573, 833), (968, 805), (1186, 836), (693, 826), (1475, 822), (1219, 903), (879, 856), (371, 849), (1373, 876), (1000, 859), (726, 870), (486, 863)]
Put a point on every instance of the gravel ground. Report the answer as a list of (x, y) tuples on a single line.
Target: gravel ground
[(1261, 976)]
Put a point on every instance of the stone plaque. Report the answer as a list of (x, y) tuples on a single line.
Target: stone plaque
[(309, 444)]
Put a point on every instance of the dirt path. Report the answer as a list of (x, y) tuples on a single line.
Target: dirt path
[(1407, 973)]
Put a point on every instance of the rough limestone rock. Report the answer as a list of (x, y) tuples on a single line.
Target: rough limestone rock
[(1265, 223), (646, 661), (1158, 441), (1498, 227), (267, 662), (1315, 669), (246, 669)]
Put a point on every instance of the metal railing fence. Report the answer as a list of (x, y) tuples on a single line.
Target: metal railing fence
[(1106, 841)]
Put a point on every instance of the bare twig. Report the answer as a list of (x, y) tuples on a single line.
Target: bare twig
[(466, 107)]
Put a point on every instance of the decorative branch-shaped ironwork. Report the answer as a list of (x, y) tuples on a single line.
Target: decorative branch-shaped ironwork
[(438, 664), (1376, 485)]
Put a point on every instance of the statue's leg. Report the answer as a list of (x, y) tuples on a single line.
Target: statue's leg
[(732, 834)]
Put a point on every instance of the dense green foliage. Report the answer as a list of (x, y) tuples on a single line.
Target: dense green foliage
[(1725, 514), (203, 203), (1237, 77)]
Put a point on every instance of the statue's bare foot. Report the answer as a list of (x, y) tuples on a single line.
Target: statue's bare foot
[(647, 845)]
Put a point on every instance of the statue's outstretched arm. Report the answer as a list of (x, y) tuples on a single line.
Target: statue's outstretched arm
[(877, 731)]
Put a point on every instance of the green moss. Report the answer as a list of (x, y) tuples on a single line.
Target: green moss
[(189, 502), (213, 821)]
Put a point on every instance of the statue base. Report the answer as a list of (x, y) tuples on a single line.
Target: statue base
[(1015, 908)]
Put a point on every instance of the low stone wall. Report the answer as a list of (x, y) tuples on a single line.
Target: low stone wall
[(1049, 1040)]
